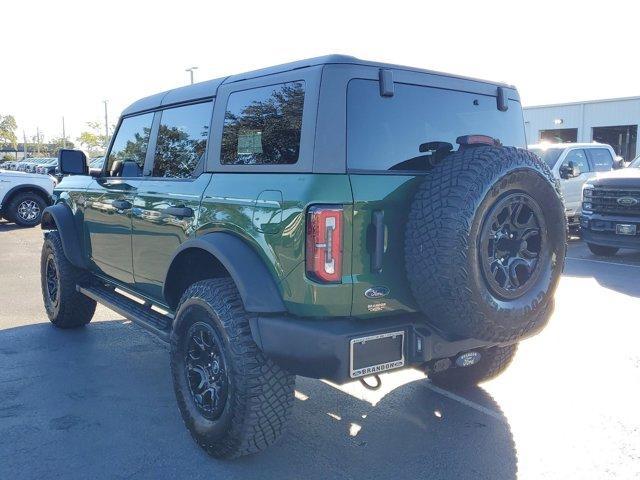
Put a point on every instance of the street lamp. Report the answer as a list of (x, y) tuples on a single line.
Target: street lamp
[(106, 125), (190, 70)]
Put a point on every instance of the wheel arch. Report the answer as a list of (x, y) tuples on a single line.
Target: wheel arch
[(222, 254), (29, 187), (60, 217)]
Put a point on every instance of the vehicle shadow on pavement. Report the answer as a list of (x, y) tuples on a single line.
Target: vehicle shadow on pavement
[(8, 227), (611, 275), (97, 402)]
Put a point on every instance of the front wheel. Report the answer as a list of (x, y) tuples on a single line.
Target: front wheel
[(602, 251), (233, 399), (26, 209), (65, 306)]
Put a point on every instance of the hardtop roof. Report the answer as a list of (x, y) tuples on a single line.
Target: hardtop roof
[(209, 88)]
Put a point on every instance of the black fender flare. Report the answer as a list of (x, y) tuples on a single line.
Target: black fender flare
[(256, 285), (60, 217)]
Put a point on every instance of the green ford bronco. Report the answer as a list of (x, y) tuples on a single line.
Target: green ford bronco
[(331, 218)]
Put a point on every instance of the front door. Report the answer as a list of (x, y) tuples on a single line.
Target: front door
[(572, 187), (166, 205), (109, 199)]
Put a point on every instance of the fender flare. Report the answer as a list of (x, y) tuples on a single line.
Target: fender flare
[(59, 217), (256, 285), (26, 187)]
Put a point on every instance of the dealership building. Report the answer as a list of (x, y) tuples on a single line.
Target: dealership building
[(612, 121)]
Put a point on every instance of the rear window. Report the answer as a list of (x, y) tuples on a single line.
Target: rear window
[(601, 159), (385, 133)]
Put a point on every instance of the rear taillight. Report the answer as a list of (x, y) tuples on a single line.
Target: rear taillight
[(324, 243)]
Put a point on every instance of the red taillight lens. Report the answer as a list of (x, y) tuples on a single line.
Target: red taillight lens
[(324, 243)]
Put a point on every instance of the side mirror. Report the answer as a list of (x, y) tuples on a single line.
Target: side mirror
[(72, 162), (569, 170), (618, 162)]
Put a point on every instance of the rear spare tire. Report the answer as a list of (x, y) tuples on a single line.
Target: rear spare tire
[(486, 242)]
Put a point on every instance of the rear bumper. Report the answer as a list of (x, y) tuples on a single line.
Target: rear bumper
[(601, 230), (320, 348)]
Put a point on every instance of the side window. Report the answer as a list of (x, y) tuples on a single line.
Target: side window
[(182, 140), (262, 126), (601, 159), (129, 150), (579, 159)]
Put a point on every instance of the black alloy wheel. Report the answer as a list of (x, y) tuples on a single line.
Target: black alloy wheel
[(511, 243), (206, 371)]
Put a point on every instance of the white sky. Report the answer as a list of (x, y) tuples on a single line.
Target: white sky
[(64, 57)]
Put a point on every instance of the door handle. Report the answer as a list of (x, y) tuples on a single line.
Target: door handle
[(121, 204), (178, 211), (377, 221)]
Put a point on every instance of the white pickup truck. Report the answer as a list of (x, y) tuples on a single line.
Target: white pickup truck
[(573, 164), (23, 196)]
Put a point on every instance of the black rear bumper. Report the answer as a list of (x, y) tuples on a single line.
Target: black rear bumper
[(320, 348)]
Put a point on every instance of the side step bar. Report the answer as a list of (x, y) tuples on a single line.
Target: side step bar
[(143, 315)]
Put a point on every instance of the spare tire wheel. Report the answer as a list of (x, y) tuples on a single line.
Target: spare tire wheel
[(485, 243)]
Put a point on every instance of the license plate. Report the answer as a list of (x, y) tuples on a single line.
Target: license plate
[(625, 229), (376, 353)]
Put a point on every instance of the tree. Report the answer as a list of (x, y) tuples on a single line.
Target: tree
[(8, 128), (94, 139), (55, 144)]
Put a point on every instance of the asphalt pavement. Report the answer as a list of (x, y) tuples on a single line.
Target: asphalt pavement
[(98, 403)]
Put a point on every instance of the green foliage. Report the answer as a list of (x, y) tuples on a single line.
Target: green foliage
[(94, 140), (8, 127)]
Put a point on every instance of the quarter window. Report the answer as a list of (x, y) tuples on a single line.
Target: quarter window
[(579, 160), (262, 126), (182, 140), (130, 145)]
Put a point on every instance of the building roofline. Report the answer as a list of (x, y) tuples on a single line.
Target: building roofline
[(583, 102)]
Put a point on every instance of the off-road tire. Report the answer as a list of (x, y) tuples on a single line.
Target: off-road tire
[(260, 394), (602, 250), (493, 362), (443, 254), (70, 308), (19, 199)]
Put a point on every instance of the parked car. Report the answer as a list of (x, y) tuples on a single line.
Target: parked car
[(331, 218), (47, 168), (23, 197), (611, 211), (573, 164)]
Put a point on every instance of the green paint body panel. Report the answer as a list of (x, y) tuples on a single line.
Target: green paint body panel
[(391, 195), (273, 223)]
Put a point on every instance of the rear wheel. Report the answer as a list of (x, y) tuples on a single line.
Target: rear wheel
[(65, 306), (26, 209), (602, 251), (493, 362), (233, 399)]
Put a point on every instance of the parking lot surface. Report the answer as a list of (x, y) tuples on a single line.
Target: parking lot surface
[(98, 402)]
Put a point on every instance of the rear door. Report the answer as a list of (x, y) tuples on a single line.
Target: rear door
[(166, 205), (386, 164), (109, 199)]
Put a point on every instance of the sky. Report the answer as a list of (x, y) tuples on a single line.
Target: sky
[(63, 58)]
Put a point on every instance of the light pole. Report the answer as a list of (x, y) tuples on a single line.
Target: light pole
[(64, 135), (106, 125), (190, 70)]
